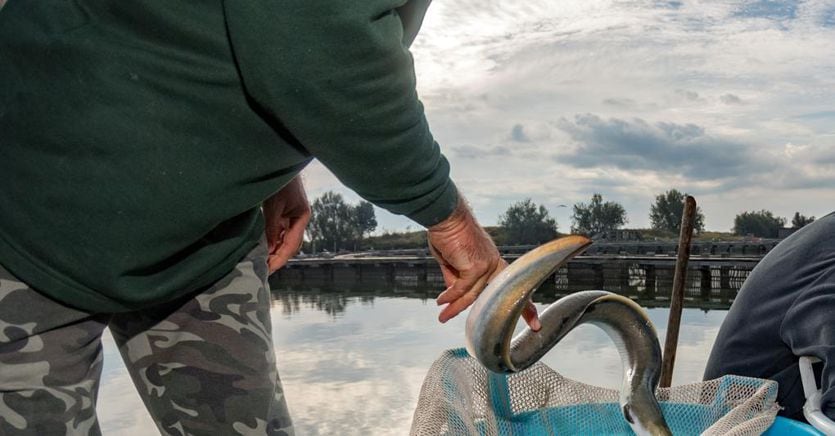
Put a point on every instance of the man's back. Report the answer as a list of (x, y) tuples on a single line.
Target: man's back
[(140, 138), (783, 311), (128, 137)]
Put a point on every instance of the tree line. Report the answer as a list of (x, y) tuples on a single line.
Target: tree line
[(528, 223), (336, 225)]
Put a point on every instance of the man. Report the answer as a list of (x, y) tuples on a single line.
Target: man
[(783, 311), (139, 141)]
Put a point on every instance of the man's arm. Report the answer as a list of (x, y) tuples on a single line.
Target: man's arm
[(338, 76)]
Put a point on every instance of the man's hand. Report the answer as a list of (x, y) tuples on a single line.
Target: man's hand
[(286, 214), (469, 260)]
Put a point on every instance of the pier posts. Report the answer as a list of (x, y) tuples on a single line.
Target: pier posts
[(623, 273), (599, 282), (725, 278), (391, 273), (327, 270), (620, 274), (650, 280), (706, 282)]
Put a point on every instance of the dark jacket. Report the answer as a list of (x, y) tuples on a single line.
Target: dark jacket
[(137, 139), (784, 310)]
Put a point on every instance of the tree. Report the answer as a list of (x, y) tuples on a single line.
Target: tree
[(597, 216), (799, 220), (525, 222), (364, 221), (762, 224), (329, 226), (336, 225), (332, 223), (666, 212)]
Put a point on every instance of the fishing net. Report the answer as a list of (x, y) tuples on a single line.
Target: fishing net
[(461, 397)]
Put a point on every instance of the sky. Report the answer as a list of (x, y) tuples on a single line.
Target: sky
[(730, 101)]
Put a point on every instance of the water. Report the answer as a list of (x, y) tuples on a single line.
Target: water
[(353, 364)]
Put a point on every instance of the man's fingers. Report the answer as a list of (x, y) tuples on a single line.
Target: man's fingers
[(286, 214), (292, 241), (450, 275), (459, 304), (443, 296), (461, 286), (275, 231), (471, 281), (451, 293), (275, 262), (453, 309), (531, 317)]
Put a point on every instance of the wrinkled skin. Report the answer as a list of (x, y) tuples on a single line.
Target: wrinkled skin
[(469, 260)]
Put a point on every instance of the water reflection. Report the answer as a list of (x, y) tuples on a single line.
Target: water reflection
[(332, 302), (331, 299), (381, 345), (352, 361)]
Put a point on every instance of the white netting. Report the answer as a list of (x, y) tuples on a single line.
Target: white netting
[(461, 397)]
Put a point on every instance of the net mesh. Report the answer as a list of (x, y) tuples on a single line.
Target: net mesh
[(461, 397)]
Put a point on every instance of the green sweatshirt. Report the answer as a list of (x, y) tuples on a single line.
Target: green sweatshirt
[(138, 139)]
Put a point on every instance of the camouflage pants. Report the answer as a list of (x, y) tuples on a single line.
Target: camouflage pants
[(203, 365)]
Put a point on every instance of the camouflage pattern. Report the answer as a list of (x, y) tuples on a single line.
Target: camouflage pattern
[(203, 365), (50, 364)]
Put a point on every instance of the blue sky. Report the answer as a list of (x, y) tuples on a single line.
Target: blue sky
[(732, 101)]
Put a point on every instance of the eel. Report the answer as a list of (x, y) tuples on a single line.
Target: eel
[(496, 311)]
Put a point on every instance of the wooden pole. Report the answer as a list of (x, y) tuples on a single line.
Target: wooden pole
[(677, 296)]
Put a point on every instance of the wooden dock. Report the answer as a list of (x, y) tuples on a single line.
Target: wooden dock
[(712, 282)]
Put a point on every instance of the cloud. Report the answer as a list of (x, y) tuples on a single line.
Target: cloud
[(770, 9), (829, 18), (664, 147), (827, 159), (750, 75), (806, 167), (817, 115), (688, 95), (669, 4), (730, 99), (473, 152), (517, 133), (619, 102)]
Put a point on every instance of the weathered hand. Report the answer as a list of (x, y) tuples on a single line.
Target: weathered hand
[(469, 260), (286, 214)]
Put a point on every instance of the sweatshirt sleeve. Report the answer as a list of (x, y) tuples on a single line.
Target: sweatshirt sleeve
[(337, 75), (809, 330)]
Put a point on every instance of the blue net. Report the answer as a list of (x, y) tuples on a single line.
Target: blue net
[(460, 397)]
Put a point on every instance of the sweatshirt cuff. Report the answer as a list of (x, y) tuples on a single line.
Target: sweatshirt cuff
[(439, 209)]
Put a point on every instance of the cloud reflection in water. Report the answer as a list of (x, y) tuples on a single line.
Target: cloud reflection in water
[(353, 364)]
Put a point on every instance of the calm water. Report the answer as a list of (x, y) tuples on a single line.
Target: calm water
[(353, 364)]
